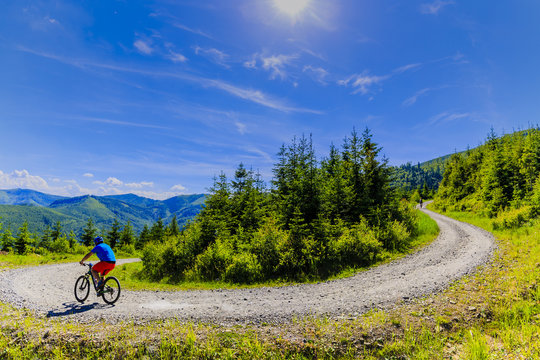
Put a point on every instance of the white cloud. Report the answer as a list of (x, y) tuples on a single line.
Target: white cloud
[(250, 64), (193, 31), (88, 175), (318, 73), (240, 127), (143, 47), (276, 64), (176, 57), (362, 82), (447, 117), (412, 100), (22, 179), (140, 185), (405, 68), (178, 187), (217, 56), (111, 181), (434, 7)]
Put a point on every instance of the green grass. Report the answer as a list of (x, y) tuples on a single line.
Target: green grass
[(132, 277), (10, 260)]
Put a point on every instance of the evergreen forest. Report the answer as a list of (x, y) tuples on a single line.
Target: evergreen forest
[(315, 219), (500, 179)]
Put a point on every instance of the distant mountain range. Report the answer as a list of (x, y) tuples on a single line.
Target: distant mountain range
[(40, 210)]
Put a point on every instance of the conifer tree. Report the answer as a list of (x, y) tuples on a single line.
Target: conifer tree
[(157, 231), (127, 237), (89, 233), (7, 240), (113, 236), (144, 237), (173, 229), (72, 239), (23, 239), (46, 238), (56, 231)]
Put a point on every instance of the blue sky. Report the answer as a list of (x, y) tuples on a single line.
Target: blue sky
[(157, 97)]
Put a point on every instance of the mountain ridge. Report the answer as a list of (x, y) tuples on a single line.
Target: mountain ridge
[(42, 210)]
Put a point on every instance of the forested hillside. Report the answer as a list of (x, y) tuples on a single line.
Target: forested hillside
[(316, 219), (41, 211), (500, 179), (423, 178)]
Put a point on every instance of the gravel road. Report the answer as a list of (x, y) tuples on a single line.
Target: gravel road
[(458, 250)]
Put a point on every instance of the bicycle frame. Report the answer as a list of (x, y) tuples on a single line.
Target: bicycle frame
[(89, 274)]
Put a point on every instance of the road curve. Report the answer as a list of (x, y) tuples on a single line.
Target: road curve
[(458, 250)]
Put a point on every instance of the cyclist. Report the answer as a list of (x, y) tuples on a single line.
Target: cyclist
[(105, 265)]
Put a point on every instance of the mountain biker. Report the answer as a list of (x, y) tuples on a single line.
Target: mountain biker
[(107, 260)]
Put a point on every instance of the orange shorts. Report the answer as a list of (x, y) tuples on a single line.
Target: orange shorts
[(103, 267)]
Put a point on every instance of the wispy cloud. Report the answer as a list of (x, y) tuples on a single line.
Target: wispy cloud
[(115, 122), (412, 100), (143, 47), (258, 97), (362, 83), (217, 56), (445, 117), (317, 73), (255, 96), (176, 57), (88, 175), (275, 64), (407, 67), (435, 7), (193, 31)]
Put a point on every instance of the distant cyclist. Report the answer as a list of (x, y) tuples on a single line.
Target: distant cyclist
[(107, 260), (421, 203)]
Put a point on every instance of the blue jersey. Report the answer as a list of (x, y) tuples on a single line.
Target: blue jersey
[(104, 252)]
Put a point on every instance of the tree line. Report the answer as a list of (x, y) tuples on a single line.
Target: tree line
[(315, 219), (54, 239)]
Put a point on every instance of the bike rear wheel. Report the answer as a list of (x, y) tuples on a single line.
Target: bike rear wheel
[(82, 288), (111, 290)]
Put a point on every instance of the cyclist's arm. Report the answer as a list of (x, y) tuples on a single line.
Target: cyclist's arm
[(85, 257)]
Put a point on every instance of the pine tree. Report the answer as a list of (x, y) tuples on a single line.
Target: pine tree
[(23, 239), (56, 231), (144, 238), (173, 229), (46, 238), (7, 240), (127, 237), (113, 236), (89, 233), (72, 239), (157, 231)]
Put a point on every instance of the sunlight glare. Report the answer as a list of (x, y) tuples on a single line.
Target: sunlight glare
[(291, 7)]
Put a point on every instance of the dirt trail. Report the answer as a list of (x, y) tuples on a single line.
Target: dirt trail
[(458, 250)]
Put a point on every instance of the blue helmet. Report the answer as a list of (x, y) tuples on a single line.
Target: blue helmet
[(98, 240)]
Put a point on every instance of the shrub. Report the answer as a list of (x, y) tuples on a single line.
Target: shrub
[(244, 268), (211, 264), (356, 246), (513, 218)]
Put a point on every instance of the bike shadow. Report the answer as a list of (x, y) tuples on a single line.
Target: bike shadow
[(72, 308)]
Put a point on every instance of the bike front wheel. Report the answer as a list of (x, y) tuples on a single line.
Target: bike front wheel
[(111, 290), (82, 288)]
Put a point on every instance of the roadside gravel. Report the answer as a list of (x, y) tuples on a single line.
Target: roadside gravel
[(459, 249)]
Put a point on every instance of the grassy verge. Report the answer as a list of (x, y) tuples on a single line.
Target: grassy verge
[(492, 314), (132, 276), (11, 261)]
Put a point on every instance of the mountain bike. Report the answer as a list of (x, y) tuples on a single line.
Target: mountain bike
[(111, 287)]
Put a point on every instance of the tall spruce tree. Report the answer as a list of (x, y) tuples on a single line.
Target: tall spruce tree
[(113, 236), (23, 239), (89, 233), (127, 237)]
